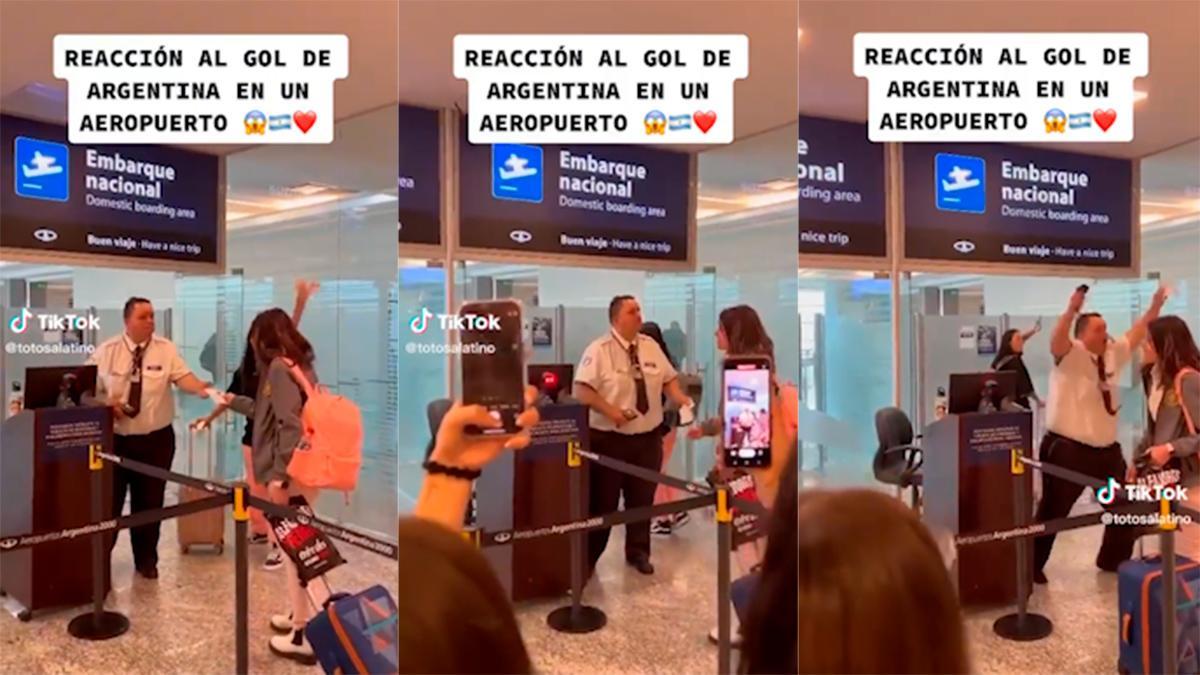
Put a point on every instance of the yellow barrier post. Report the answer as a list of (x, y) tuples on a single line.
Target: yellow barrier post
[(1165, 521), (472, 536), (1166, 547), (1022, 625), (241, 518), (724, 550), (99, 623), (1018, 467)]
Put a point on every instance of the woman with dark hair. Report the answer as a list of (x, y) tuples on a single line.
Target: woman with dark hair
[(664, 493), (282, 357), (245, 383), (740, 332), (873, 592), (1009, 358), (1171, 378)]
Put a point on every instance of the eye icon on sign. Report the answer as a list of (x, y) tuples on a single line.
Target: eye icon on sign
[(964, 246), (520, 236), (45, 236)]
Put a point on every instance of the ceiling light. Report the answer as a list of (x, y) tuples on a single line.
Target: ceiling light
[(1139, 96), (777, 185), (755, 201), (307, 189), (705, 213)]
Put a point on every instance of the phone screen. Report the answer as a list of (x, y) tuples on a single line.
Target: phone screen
[(747, 398), (493, 361)]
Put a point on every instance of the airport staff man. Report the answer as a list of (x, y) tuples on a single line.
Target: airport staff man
[(622, 377), (1081, 419), (135, 372)]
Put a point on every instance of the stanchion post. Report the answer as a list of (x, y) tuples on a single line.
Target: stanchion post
[(576, 618), (98, 624), (1022, 625), (724, 547), (1167, 546), (241, 516)]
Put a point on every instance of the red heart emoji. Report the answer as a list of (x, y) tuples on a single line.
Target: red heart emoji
[(305, 120), (1104, 118), (705, 120)]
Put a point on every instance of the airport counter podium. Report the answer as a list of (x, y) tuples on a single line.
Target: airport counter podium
[(45, 485), (969, 488), (529, 489)]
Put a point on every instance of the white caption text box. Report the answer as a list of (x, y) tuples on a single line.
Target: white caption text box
[(221, 89), (518, 83), (956, 87)]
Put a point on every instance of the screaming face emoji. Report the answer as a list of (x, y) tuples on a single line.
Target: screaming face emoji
[(656, 123), (256, 123), (1056, 121)]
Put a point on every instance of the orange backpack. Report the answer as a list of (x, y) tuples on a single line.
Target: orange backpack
[(330, 451)]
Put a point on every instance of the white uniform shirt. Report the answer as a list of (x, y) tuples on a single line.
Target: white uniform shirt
[(161, 367), (1075, 404), (607, 368)]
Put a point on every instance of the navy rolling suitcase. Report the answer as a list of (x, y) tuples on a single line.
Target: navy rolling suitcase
[(1140, 593), (356, 633)]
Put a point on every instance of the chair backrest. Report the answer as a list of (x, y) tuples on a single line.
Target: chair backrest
[(434, 412), (893, 429)]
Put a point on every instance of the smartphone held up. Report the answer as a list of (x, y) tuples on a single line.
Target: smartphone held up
[(746, 388), (493, 361)]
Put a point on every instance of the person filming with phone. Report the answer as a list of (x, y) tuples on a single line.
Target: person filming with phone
[(1081, 411), (621, 378)]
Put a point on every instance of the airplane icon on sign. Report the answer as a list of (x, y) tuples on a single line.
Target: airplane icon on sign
[(962, 180), (40, 165), (517, 167)]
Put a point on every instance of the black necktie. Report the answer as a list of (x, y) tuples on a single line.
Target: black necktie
[(134, 405), (643, 399), (1105, 392)]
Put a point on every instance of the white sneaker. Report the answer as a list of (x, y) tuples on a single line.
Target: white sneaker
[(295, 647), (274, 559), (281, 623)]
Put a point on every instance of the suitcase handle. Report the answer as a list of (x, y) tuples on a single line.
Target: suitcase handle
[(212, 455)]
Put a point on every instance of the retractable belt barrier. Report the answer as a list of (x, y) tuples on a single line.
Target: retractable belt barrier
[(1053, 526), (655, 477), (1121, 506), (366, 542), (506, 537), (112, 525)]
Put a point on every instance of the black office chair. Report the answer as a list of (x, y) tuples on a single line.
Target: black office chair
[(898, 459)]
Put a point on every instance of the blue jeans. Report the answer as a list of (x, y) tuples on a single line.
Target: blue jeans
[(741, 592)]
